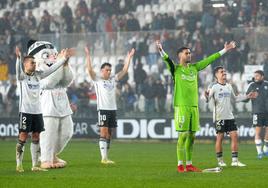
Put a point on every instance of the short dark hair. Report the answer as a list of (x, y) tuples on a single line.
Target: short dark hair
[(105, 64), (181, 49), (216, 69), (260, 72), (28, 57)]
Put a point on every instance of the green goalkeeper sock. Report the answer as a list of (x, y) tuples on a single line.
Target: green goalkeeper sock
[(189, 145), (180, 146)]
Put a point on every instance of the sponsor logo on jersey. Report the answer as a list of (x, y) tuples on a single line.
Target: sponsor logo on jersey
[(108, 85), (224, 94), (33, 86), (191, 77)]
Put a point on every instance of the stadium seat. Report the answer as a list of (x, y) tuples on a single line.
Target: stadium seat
[(43, 4), (57, 5), (178, 7), (166, 72), (55, 12), (104, 59), (36, 13), (146, 68), (141, 19), (96, 60), (139, 8), (186, 5), (154, 68), (148, 17), (155, 8), (50, 5), (112, 60), (143, 60), (171, 8), (163, 8), (147, 8)]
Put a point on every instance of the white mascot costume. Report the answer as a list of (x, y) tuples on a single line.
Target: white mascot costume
[(55, 105)]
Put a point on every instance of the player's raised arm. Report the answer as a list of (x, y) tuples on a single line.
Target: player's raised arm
[(90, 69), (207, 61), (159, 46), (170, 64), (67, 75), (19, 71), (61, 59), (124, 71)]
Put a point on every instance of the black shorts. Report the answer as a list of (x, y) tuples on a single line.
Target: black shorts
[(260, 120), (225, 126), (107, 118), (31, 123)]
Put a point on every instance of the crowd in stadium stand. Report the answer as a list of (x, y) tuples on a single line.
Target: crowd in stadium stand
[(204, 32)]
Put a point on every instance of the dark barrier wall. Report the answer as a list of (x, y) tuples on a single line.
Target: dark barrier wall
[(135, 128)]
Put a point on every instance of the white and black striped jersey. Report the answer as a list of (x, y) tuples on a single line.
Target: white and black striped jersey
[(105, 91), (223, 96), (29, 87)]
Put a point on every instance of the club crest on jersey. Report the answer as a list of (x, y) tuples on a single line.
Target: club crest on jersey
[(188, 77), (33, 86), (108, 85)]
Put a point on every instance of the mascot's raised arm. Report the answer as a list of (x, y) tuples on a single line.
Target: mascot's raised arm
[(55, 105)]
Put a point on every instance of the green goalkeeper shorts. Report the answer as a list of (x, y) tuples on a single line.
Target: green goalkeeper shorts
[(186, 118)]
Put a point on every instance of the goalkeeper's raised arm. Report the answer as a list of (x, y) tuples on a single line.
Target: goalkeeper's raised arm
[(170, 64)]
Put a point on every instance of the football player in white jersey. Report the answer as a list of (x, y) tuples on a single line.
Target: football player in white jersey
[(222, 94), (105, 86), (31, 119)]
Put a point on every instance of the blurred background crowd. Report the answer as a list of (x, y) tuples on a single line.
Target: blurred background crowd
[(111, 27)]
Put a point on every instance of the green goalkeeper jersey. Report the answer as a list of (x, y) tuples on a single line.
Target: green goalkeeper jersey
[(186, 79)]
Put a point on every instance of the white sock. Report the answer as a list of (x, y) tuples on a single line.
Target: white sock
[(265, 146), (258, 146), (35, 150), (219, 156), (234, 156), (180, 163), (188, 162), (103, 148), (19, 152)]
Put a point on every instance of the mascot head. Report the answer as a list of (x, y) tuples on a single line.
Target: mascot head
[(44, 53)]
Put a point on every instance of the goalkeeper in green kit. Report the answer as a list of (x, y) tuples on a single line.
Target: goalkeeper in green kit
[(186, 115)]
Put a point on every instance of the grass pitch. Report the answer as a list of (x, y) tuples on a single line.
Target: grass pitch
[(138, 164)]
